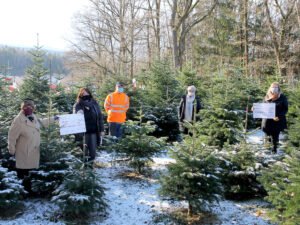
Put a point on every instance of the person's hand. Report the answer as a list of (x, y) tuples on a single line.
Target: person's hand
[(276, 119), (101, 133)]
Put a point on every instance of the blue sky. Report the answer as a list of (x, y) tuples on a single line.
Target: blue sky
[(21, 20)]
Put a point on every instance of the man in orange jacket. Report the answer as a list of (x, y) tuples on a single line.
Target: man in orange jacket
[(116, 105)]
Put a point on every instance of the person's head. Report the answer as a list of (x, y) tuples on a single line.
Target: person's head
[(274, 89), (119, 87), (27, 106), (84, 94), (191, 90)]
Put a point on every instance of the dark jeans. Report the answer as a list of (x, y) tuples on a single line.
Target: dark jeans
[(115, 129), (91, 146)]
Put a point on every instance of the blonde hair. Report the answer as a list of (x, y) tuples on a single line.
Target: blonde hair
[(269, 90), (192, 87)]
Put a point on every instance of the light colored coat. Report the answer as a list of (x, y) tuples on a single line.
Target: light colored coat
[(24, 141)]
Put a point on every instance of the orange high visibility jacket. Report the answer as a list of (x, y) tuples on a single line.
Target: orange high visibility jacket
[(116, 105)]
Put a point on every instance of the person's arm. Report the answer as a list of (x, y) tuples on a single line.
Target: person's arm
[(180, 108), (107, 103), (198, 104), (13, 135), (127, 103)]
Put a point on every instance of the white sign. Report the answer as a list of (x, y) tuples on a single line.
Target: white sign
[(264, 110), (72, 124)]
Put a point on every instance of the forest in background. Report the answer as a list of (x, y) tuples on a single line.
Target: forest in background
[(14, 61), (230, 50)]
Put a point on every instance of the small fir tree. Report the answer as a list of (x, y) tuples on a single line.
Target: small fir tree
[(194, 175), (281, 180), (11, 191), (80, 194), (239, 175), (138, 146), (219, 126)]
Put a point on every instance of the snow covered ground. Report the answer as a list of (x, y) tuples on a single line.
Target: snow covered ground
[(135, 201)]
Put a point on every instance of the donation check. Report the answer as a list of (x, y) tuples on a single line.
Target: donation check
[(72, 124), (264, 110)]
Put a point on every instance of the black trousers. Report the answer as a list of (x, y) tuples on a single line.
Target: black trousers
[(91, 144), (274, 138), (23, 174)]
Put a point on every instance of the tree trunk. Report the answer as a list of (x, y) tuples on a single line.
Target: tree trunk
[(246, 49)]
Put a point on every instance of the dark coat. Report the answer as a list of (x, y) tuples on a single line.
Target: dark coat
[(92, 116), (270, 126), (181, 110)]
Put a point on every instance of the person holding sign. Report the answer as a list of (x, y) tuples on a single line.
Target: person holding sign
[(87, 105), (273, 127), (116, 105), (24, 140)]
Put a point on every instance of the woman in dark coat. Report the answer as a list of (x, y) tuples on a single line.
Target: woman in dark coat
[(88, 106), (188, 104), (273, 127)]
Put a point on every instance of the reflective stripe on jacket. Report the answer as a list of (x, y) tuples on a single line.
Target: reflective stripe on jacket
[(116, 105)]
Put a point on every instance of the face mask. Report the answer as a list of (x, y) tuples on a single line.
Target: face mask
[(120, 89), (274, 90), (27, 111), (191, 93), (86, 98)]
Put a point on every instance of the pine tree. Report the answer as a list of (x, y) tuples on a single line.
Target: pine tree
[(138, 145), (36, 84), (80, 194), (11, 190), (194, 175)]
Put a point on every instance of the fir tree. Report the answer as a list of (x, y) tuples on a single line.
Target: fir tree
[(240, 172), (36, 84), (219, 126), (9, 108), (80, 194), (194, 175), (139, 146), (55, 157), (11, 190), (281, 180)]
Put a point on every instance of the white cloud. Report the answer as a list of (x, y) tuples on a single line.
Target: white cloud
[(21, 20)]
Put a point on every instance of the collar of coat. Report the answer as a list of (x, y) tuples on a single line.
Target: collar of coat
[(34, 123)]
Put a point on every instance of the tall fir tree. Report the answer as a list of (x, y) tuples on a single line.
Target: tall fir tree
[(36, 83)]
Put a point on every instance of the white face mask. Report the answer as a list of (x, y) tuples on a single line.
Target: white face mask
[(274, 90), (191, 93)]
